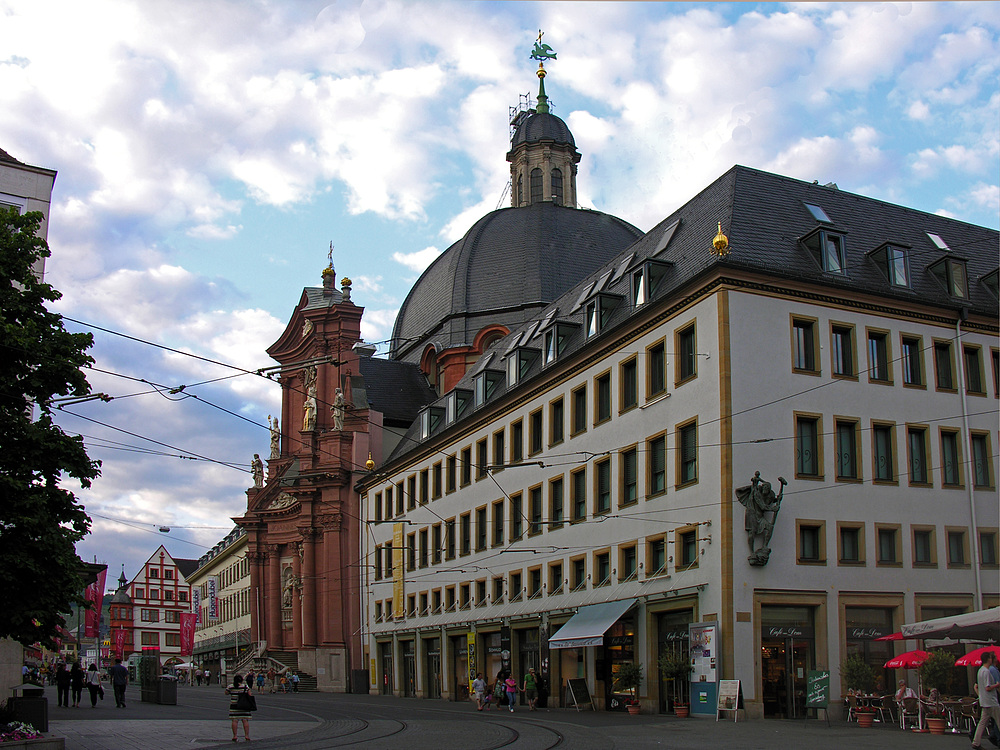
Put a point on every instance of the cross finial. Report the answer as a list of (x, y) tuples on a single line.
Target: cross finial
[(330, 254)]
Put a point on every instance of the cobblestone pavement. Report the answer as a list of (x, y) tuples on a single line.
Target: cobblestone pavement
[(313, 721)]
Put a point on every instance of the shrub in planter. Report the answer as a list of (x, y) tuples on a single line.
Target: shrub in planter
[(939, 672), (629, 675), (856, 675), (676, 668)]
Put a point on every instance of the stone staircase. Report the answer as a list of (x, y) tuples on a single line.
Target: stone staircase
[(290, 660)]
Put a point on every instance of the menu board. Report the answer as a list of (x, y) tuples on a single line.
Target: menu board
[(579, 693), (817, 689), (730, 698)]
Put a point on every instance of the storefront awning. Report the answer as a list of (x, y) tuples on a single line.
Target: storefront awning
[(588, 626)]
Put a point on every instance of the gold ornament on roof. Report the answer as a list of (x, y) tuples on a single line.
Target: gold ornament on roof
[(370, 463), (720, 244)]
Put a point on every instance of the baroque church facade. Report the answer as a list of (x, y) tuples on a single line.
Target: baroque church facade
[(753, 439)]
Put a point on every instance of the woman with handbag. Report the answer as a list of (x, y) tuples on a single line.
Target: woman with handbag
[(94, 685), (241, 705)]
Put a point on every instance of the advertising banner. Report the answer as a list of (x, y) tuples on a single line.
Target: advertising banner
[(470, 645), (95, 594), (398, 583), (187, 633), (213, 597), (120, 643), (196, 604)]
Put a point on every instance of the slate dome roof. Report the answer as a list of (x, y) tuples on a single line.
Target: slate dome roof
[(541, 126), (512, 262)]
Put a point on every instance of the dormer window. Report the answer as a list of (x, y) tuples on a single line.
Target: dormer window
[(519, 363), (599, 310), (828, 248), (991, 281), (951, 272), (555, 341), (430, 420), (646, 280), (892, 259), (486, 384)]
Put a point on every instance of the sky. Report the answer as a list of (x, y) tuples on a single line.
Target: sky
[(209, 152)]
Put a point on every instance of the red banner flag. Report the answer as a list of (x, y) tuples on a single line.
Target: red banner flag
[(95, 594), (120, 643), (187, 633)]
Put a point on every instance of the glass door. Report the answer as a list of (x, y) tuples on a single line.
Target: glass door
[(785, 662)]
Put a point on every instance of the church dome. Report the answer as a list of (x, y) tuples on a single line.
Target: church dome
[(541, 126), (509, 265)]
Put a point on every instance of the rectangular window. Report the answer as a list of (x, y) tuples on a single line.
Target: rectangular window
[(685, 350), (498, 590), (498, 523), (847, 450), (411, 551), (449, 538), (897, 266), (451, 473), (411, 492), (807, 463), (686, 547), (656, 462), (995, 358), (516, 517), (883, 453), (579, 494), (923, 547), (517, 442), (943, 366), (602, 568), (630, 477), (466, 466), (602, 487), (981, 460), (656, 370), (888, 545), (150, 638), (424, 487), (535, 432), (378, 506), (879, 357), (482, 533), (516, 588), (988, 548), (436, 543), (555, 579), (628, 563), (804, 345), (556, 503), (811, 542), (579, 410), (499, 450), (557, 419), (951, 466), (149, 615), (465, 596), (687, 454), (424, 549), (656, 556), (465, 524), (535, 501), (957, 554), (842, 347), (833, 253), (916, 438), (629, 385), (913, 361), (534, 583), (154, 573), (602, 402), (482, 459), (172, 616), (851, 545), (579, 579), (399, 498), (974, 382), (436, 481)]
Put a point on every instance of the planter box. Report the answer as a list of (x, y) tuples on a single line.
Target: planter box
[(42, 743)]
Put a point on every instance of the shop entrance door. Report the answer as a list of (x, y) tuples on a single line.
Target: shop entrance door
[(386, 649), (409, 670), (785, 664), (433, 668)]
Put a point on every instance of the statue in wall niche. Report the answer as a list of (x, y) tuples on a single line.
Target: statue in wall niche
[(338, 410), (309, 417), (275, 437), (257, 469), (760, 502), (287, 589)]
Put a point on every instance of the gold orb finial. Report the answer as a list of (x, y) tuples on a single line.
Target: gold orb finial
[(370, 464), (720, 244)]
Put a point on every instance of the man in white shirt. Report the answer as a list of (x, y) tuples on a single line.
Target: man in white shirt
[(988, 699)]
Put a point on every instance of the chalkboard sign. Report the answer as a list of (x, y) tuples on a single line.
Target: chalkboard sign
[(730, 698), (817, 689), (579, 693)]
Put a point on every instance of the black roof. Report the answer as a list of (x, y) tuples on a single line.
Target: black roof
[(4, 156), (512, 262), (186, 566), (541, 126), (765, 217), (398, 390)]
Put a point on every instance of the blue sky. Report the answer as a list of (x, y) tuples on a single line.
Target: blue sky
[(208, 153)]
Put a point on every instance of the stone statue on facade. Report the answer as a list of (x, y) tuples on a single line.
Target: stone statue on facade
[(309, 416), (257, 469), (275, 437), (338, 410), (288, 589), (759, 500)]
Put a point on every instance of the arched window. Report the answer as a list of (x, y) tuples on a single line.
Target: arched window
[(519, 201), (557, 188), (429, 365), (536, 185)]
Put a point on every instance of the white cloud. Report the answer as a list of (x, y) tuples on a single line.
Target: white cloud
[(418, 260)]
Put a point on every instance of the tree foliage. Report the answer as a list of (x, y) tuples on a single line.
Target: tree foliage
[(40, 522)]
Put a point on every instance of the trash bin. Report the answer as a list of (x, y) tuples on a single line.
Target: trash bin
[(31, 706), (168, 690)]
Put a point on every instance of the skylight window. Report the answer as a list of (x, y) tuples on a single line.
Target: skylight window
[(938, 242), (665, 237), (586, 293), (623, 266), (818, 213)]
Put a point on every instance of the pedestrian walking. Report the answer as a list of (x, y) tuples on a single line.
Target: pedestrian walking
[(94, 685), (284, 683), (988, 699), (510, 685), (295, 682), (62, 685), (272, 684), (249, 680), (197, 677), (479, 690), (77, 678), (119, 681), (239, 696), (530, 688), (260, 683), (499, 690)]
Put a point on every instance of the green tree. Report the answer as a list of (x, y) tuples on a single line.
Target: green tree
[(40, 522)]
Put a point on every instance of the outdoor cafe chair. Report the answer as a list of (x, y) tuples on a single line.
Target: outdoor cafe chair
[(909, 712)]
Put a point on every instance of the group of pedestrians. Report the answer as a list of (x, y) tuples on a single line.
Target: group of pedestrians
[(70, 683), (504, 691), (274, 682)]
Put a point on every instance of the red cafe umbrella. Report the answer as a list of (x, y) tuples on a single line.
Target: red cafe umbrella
[(975, 658), (892, 637), (909, 660)]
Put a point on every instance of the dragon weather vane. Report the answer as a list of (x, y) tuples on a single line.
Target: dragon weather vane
[(542, 52)]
